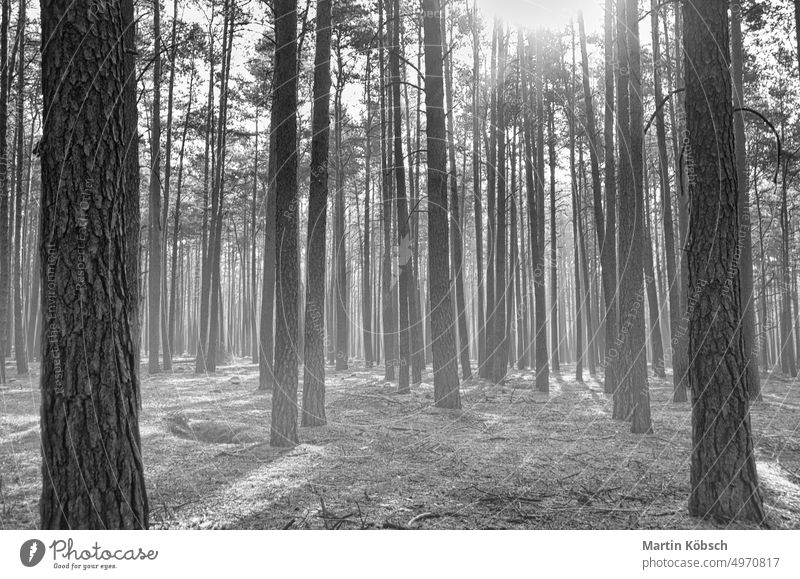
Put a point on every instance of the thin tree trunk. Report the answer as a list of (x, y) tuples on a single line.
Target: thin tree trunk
[(20, 350), (673, 282), (366, 283)]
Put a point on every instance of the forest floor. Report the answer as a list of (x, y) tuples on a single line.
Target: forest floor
[(511, 459)]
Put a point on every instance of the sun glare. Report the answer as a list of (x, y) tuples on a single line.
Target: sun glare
[(553, 14)]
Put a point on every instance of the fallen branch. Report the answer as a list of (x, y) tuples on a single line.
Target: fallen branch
[(421, 517)]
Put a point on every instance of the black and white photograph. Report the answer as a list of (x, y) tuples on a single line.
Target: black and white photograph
[(523, 268)]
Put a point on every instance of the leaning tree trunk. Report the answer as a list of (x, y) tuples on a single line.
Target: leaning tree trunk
[(445, 370), (313, 413), (89, 411), (283, 428), (723, 474)]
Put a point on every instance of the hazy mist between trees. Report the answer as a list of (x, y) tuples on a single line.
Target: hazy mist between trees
[(260, 232)]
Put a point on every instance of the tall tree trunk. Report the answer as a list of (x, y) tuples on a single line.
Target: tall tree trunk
[(390, 338), (154, 205), (177, 219), (554, 308), (608, 250), (641, 420), (594, 150), (366, 280), (673, 282), (579, 302), (166, 335), (587, 283), (5, 250), (500, 342), (485, 371), (283, 427), (83, 404), (266, 333), (630, 400), (456, 235), (476, 183), (788, 362), (313, 413), (445, 370), (723, 473), (405, 253), (202, 338), (20, 350), (542, 364)]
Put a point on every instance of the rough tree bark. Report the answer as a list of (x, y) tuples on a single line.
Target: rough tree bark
[(445, 370), (313, 412), (283, 428), (5, 253), (608, 250), (93, 477), (20, 351), (499, 362), (723, 473), (154, 206)]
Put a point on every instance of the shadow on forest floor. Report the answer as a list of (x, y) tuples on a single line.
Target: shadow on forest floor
[(512, 458)]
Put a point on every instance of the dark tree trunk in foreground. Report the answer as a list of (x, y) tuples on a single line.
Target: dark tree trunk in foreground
[(283, 429), (92, 470), (723, 473), (748, 297), (313, 413), (445, 370)]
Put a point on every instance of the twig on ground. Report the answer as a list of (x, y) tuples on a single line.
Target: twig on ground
[(420, 517)]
